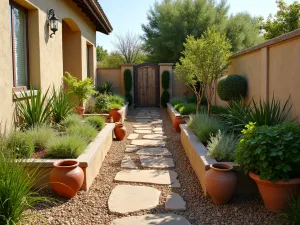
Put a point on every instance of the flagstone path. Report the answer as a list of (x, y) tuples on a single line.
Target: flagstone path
[(156, 162)]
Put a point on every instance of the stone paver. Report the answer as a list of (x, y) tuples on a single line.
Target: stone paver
[(156, 162), (143, 117), (147, 176), (176, 184), (144, 128), (175, 202), (154, 137), (154, 151), (132, 136), (152, 219), (142, 131), (142, 125), (157, 129), (146, 142), (127, 198), (143, 120), (159, 132), (127, 162)]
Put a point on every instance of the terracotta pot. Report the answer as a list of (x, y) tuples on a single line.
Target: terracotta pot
[(108, 119), (80, 110), (176, 122), (66, 178), (276, 194), (120, 131), (220, 182), (116, 114)]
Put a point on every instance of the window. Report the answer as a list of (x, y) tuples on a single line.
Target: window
[(19, 45)]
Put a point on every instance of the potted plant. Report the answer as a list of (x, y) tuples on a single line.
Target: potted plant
[(81, 89), (271, 155)]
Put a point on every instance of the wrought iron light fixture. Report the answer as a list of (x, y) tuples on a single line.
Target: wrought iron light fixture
[(52, 22)]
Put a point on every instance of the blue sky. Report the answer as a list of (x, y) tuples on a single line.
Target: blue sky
[(127, 15)]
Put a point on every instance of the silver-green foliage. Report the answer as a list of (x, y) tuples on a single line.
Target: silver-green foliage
[(87, 131), (41, 136), (222, 146), (203, 126), (97, 121), (20, 144), (67, 146), (71, 120)]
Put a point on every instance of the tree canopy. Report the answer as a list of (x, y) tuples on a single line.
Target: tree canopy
[(286, 20), (101, 53), (171, 21)]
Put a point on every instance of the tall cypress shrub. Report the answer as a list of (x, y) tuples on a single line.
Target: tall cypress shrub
[(165, 81), (128, 85)]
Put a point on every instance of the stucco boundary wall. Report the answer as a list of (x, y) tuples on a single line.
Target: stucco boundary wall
[(272, 68), (201, 161), (90, 160)]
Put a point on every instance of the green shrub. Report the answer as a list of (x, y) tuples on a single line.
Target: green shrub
[(72, 120), (293, 211), (268, 113), (107, 88), (177, 100), (273, 152), (178, 106), (41, 136), (34, 108), (97, 121), (193, 99), (20, 144), (232, 87), (214, 109), (187, 109), (101, 103), (115, 106), (129, 98), (61, 106), (16, 189), (127, 80), (203, 126), (165, 80), (165, 98), (222, 146), (87, 131), (90, 106), (66, 147), (116, 99)]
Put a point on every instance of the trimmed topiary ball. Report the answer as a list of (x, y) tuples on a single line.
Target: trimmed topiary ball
[(232, 87), (165, 98)]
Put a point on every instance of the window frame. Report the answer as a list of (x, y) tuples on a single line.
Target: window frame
[(12, 17)]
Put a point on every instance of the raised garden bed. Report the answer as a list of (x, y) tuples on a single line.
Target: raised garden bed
[(173, 112), (124, 110), (200, 162), (90, 160)]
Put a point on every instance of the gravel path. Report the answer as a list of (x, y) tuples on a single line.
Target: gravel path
[(91, 207)]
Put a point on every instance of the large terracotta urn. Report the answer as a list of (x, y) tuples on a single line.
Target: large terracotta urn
[(176, 122), (276, 194), (120, 131), (116, 114), (66, 178), (220, 182), (80, 110)]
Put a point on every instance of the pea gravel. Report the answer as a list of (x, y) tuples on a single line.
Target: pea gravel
[(91, 207)]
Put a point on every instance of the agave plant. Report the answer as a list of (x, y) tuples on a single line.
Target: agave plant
[(107, 88), (268, 113), (34, 108), (61, 105)]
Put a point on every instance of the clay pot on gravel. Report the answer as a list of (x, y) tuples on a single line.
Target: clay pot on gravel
[(66, 178), (220, 182), (116, 114), (120, 131), (176, 122), (80, 110), (276, 194)]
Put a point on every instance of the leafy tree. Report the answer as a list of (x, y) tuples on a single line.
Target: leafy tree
[(204, 61), (113, 59), (101, 53), (286, 20), (171, 21)]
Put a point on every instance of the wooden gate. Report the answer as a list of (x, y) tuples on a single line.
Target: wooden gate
[(146, 85)]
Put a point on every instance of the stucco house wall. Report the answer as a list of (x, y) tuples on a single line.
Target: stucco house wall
[(48, 57)]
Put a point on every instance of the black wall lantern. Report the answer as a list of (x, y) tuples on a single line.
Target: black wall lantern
[(52, 21)]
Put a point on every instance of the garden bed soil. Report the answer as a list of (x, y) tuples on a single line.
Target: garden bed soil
[(200, 162), (124, 111), (90, 160)]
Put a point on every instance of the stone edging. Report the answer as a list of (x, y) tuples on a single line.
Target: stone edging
[(200, 162), (90, 160)]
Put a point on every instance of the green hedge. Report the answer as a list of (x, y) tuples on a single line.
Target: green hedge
[(165, 80), (232, 87), (127, 80), (165, 98)]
